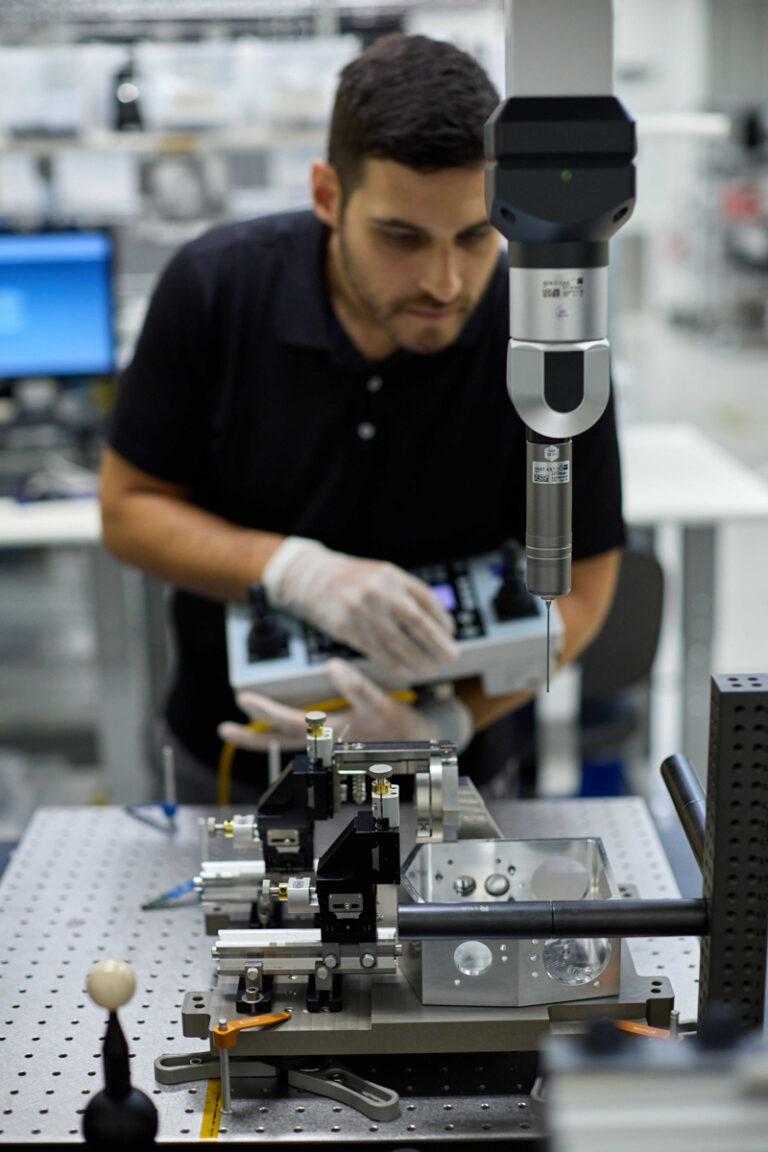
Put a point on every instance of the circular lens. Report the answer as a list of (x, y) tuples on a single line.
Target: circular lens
[(496, 884), (472, 958), (576, 962)]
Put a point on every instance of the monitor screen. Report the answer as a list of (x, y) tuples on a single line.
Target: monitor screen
[(56, 304)]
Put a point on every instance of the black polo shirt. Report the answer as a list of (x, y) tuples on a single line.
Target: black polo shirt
[(244, 387)]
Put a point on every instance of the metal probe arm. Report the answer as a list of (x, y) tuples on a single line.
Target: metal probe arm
[(559, 183)]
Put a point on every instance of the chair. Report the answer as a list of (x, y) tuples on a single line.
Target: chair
[(615, 673)]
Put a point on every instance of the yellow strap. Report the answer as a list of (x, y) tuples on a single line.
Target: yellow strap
[(209, 1129)]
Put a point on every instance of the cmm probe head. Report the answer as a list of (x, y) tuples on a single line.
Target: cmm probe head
[(559, 183)]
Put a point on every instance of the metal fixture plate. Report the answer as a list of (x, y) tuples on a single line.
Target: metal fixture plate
[(71, 896)]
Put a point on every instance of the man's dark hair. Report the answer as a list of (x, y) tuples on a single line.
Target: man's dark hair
[(418, 101)]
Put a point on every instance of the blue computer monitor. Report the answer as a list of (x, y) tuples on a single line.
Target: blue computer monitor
[(56, 304)]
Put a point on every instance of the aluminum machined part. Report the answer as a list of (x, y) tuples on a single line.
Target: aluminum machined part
[(230, 881), (437, 800), (385, 1016), (406, 757), (527, 368), (298, 951), (538, 869), (373, 1100), (436, 768), (456, 950)]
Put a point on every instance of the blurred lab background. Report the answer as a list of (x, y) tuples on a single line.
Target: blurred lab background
[(129, 126)]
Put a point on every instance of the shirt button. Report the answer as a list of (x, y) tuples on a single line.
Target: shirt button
[(366, 430), (375, 384)]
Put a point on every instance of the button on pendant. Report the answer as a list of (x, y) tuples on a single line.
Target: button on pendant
[(375, 384), (366, 430)]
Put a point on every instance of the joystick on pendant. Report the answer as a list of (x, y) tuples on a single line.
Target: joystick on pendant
[(119, 1115)]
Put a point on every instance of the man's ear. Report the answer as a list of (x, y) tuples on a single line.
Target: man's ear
[(326, 192)]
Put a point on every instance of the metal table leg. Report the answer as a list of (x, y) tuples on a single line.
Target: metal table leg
[(124, 704)]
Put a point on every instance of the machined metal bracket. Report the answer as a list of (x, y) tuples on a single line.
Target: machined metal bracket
[(338, 1083), (334, 1081)]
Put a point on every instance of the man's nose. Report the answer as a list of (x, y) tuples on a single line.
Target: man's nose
[(441, 279)]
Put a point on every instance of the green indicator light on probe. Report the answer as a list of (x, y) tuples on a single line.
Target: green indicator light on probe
[(566, 175)]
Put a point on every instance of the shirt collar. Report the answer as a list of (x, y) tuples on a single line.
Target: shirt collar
[(302, 309)]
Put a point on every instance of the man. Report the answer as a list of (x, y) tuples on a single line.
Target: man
[(317, 402)]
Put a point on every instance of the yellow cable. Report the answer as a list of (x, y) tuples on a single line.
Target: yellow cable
[(228, 749)]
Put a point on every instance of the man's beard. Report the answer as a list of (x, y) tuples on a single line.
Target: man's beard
[(386, 315)]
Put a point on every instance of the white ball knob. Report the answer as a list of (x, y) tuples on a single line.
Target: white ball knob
[(111, 983)]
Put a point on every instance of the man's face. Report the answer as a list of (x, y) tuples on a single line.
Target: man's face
[(411, 255)]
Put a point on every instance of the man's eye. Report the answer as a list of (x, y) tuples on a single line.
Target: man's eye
[(403, 239), (470, 238)]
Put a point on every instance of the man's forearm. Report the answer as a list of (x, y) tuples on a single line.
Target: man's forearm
[(185, 545), (486, 709)]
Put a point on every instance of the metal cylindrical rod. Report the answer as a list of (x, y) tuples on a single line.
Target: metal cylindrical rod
[(689, 801), (557, 918), (225, 1074)]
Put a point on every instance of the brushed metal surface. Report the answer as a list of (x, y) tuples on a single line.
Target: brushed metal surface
[(515, 972)]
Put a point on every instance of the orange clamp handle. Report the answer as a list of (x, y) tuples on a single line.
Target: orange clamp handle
[(225, 1035), (642, 1029)]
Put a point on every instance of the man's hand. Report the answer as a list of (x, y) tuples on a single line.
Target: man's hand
[(372, 715), (377, 608)]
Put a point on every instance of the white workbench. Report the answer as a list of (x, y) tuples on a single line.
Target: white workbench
[(120, 599), (684, 487), (48, 523), (674, 474)]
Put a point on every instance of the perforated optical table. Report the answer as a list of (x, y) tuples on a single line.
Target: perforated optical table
[(71, 896)]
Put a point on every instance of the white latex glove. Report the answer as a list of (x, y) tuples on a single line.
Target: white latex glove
[(372, 715), (375, 607)]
